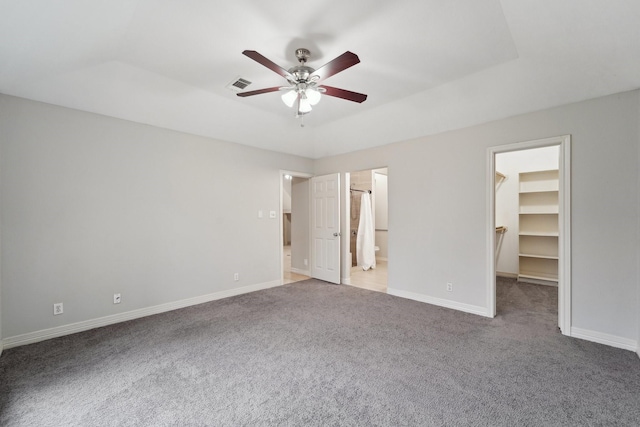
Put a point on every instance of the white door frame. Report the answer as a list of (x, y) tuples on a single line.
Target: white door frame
[(281, 238), (564, 219), (345, 268)]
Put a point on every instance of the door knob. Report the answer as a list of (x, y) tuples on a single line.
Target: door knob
[(336, 234)]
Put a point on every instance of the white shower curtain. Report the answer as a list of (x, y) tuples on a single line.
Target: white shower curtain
[(365, 240)]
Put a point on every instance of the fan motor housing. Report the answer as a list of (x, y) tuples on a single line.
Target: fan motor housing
[(301, 73)]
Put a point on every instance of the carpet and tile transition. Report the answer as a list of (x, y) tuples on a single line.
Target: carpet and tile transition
[(311, 353)]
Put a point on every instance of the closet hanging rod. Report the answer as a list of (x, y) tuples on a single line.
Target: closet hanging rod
[(362, 191)]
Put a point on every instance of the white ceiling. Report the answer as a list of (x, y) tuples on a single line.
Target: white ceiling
[(427, 65)]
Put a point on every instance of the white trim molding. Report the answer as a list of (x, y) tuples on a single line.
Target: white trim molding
[(506, 275), (606, 339), (72, 328), (467, 308)]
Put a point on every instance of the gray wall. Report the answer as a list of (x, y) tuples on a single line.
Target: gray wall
[(438, 207), (1, 334), (92, 205)]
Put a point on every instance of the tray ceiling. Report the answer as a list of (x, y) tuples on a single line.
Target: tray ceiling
[(427, 66)]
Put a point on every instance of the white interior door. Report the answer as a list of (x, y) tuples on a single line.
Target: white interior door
[(325, 228)]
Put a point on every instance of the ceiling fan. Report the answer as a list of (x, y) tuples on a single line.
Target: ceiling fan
[(304, 89)]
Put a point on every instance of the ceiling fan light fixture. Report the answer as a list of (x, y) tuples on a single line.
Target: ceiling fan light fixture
[(289, 97), (304, 90), (304, 106), (313, 96)]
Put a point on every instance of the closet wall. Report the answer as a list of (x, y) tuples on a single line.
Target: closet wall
[(507, 204)]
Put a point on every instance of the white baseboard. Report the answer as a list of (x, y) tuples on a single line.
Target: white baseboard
[(467, 308), (300, 271), (72, 328), (507, 275), (606, 339), (345, 280), (538, 282)]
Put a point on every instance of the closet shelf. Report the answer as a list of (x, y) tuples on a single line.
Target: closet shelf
[(538, 225), (545, 211), (539, 233), (538, 191), (539, 181), (538, 256)]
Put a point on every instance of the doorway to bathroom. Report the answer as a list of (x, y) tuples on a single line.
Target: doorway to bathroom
[(367, 216)]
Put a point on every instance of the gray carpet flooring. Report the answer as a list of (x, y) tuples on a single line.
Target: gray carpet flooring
[(311, 353)]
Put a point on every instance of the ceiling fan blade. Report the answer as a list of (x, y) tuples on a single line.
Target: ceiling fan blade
[(341, 63), (344, 94), (259, 91), (267, 63)]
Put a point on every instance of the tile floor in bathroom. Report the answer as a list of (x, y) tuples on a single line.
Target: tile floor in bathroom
[(372, 279)]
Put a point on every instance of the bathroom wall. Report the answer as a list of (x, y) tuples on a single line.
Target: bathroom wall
[(381, 201)]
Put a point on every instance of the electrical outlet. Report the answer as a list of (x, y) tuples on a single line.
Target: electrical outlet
[(306, 261), (236, 277), (57, 308), (272, 214), (117, 298), (450, 287)]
